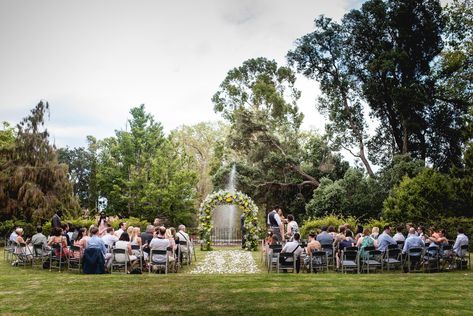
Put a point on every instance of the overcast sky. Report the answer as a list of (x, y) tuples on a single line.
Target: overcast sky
[(94, 60)]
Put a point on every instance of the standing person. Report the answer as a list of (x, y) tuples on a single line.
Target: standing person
[(275, 224), (56, 220), (102, 224), (292, 227), (243, 230)]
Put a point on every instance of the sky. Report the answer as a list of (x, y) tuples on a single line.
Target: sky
[(93, 60)]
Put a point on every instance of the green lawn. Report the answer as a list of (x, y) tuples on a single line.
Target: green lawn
[(34, 292)]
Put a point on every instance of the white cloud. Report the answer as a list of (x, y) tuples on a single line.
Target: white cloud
[(94, 60)]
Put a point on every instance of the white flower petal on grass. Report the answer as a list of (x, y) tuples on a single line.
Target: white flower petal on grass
[(226, 262)]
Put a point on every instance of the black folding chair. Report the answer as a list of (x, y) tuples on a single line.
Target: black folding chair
[(463, 258), (318, 261), (159, 263), (392, 257), (75, 261), (414, 258), (349, 260), (284, 264)]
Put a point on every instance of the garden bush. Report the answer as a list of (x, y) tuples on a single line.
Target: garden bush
[(329, 220)]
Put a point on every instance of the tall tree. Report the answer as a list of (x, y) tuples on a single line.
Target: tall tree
[(141, 173), (324, 55), (202, 142), (33, 184)]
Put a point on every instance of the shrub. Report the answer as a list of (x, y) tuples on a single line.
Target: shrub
[(329, 220)]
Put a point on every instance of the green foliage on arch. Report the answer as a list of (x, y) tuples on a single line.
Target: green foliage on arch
[(247, 206)]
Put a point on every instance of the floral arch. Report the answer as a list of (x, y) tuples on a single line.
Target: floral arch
[(247, 206)]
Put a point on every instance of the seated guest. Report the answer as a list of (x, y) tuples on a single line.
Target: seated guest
[(183, 236), (109, 238), (399, 236), (159, 242), (39, 239), (412, 241), (121, 229), (294, 248), (95, 242), (70, 232), (340, 236), (325, 238), (331, 231), (170, 237), (421, 232), (438, 238), (13, 235), (375, 232), (124, 243), (409, 226), (365, 241), (348, 241), (19, 236), (58, 238), (385, 239), (359, 232), (461, 240), (313, 244), (65, 230), (135, 240), (147, 236), (81, 240)]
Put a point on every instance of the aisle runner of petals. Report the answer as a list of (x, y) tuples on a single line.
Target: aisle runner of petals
[(226, 261)]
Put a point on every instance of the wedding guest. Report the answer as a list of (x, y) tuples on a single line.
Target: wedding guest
[(58, 238), (385, 239), (121, 229), (56, 220), (292, 227), (275, 224), (39, 238), (421, 232), (13, 235), (147, 235), (313, 244), (294, 248), (359, 232), (65, 230), (375, 232), (102, 224), (159, 242), (135, 240), (365, 241), (324, 237), (347, 241), (124, 243), (331, 231), (81, 239), (461, 240), (399, 235), (95, 241), (109, 238)]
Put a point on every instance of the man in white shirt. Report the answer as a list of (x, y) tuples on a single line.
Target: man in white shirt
[(461, 240), (275, 224), (294, 248), (121, 229), (109, 238), (399, 236), (159, 242), (13, 235)]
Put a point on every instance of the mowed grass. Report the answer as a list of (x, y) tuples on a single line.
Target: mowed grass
[(40, 292)]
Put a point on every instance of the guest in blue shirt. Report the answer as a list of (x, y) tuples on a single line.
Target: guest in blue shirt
[(325, 238), (385, 239), (95, 241), (412, 241)]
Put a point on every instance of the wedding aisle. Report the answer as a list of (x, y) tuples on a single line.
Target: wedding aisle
[(226, 262)]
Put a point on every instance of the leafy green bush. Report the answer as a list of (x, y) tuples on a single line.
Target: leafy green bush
[(377, 223), (425, 198), (329, 220)]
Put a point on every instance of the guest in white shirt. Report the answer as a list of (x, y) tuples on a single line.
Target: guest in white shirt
[(294, 248), (461, 240), (399, 236), (121, 229), (159, 242), (109, 238)]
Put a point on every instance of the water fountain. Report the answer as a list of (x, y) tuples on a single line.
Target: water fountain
[(226, 218)]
